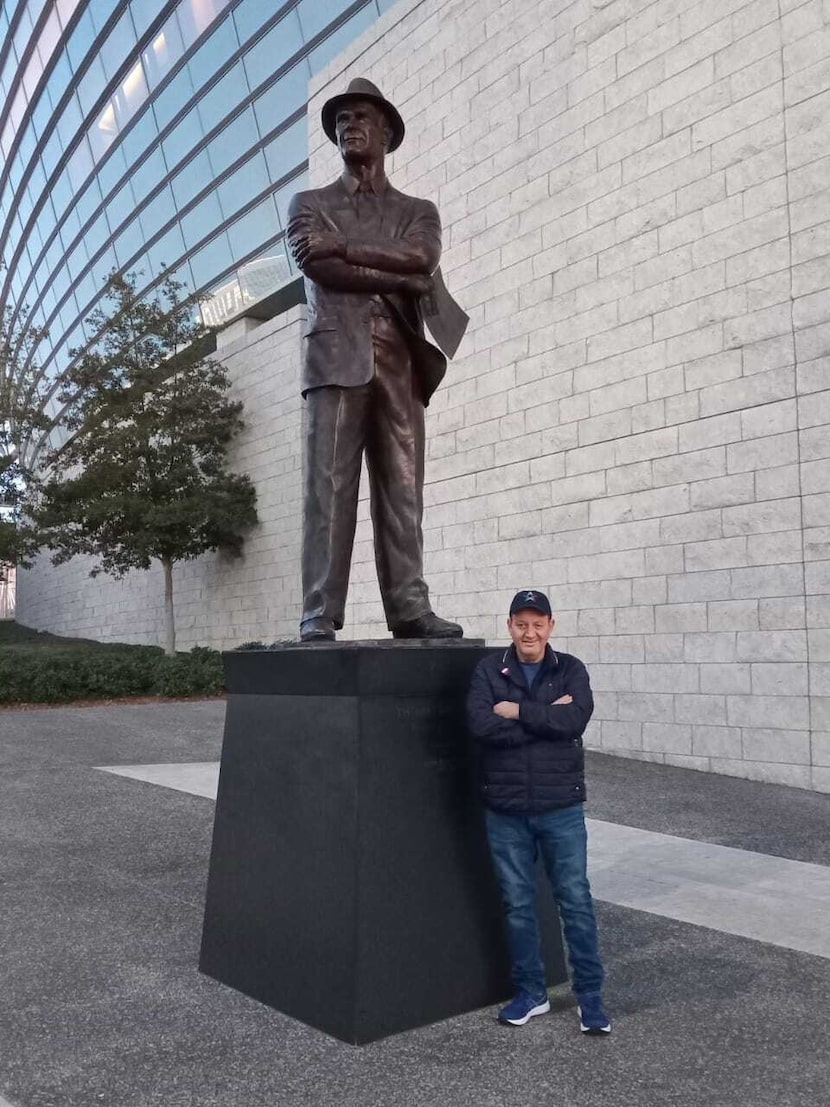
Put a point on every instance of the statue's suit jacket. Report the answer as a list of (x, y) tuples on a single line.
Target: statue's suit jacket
[(338, 333)]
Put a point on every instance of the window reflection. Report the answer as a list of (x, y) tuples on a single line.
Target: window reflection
[(199, 222), (196, 16), (236, 139), (273, 49), (243, 185), (192, 178), (247, 233), (163, 52)]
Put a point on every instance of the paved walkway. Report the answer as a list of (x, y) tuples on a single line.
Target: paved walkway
[(775, 900), (714, 897)]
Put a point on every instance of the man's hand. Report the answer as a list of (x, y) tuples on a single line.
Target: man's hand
[(563, 699), (506, 709), (317, 245)]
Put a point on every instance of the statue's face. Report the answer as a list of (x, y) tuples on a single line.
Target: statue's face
[(362, 131)]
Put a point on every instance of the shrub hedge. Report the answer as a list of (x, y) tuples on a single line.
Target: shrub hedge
[(60, 673)]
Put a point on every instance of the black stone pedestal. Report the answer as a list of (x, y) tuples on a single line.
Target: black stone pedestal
[(350, 884)]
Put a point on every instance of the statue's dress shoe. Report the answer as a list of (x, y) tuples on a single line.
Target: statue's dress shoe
[(428, 626), (317, 630)]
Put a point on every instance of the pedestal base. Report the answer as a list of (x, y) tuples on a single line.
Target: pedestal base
[(350, 883)]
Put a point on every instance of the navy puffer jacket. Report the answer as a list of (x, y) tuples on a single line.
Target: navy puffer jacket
[(534, 763)]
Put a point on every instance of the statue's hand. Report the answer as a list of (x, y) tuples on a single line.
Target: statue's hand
[(419, 284), (317, 245)]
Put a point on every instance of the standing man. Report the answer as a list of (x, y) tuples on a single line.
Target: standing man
[(368, 254), (527, 708)]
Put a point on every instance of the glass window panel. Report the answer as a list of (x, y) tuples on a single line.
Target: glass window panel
[(53, 254), (70, 228), (79, 166), (237, 138), (191, 179), (195, 16), (70, 122), (100, 10), (130, 94), (222, 302), (144, 13), (31, 75), (187, 134), (77, 260), (121, 205), (257, 226), (41, 116), (212, 54), (148, 174), (49, 36), (211, 260), (37, 181), (129, 243), (204, 218), (273, 49), (158, 212), (337, 41), (119, 45), (91, 85), (283, 98), (96, 235), (166, 251), (18, 108), (163, 52), (249, 17), (288, 150), (26, 146), (219, 100), (113, 169), (65, 10), (15, 175), (103, 131), (243, 185), (35, 241), (282, 197), (315, 15), (60, 79), (259, 277), (88, 200), (139, 138), (81, 40), (61, 193), (173, 98), (51, 152)]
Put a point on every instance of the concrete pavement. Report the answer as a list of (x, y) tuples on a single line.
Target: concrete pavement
[(101, 888)]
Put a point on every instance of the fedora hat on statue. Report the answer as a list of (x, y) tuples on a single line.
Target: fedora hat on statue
[(361, 89)]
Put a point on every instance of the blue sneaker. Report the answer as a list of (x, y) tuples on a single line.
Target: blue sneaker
[(522, 1009), (592, 1018)]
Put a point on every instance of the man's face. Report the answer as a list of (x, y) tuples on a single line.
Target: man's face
[(530, 631), (362, 131)]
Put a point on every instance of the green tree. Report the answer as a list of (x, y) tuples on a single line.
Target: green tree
[(142, 475), (23, 425)]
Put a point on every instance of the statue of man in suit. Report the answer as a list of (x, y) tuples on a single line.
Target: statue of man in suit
[(368, 254)]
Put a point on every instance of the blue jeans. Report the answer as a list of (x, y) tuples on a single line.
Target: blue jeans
[(561, 838)]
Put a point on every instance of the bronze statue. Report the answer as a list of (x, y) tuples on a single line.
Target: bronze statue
[(369, 255)]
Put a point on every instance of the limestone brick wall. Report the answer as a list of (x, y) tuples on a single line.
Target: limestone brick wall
[(637, 218), (218, 601)]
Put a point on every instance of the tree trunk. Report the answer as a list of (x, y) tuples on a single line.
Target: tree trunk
[(169, 623)]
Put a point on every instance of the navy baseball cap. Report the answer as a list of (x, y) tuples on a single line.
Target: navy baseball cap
[(529, 599)]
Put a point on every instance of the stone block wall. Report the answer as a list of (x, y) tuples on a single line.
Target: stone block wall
[(637, 218)]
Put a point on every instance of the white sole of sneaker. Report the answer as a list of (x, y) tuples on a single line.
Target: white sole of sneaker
[(593, 1029), (539, 1009)]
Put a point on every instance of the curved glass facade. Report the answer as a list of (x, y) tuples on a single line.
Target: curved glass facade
[(141, 133)]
